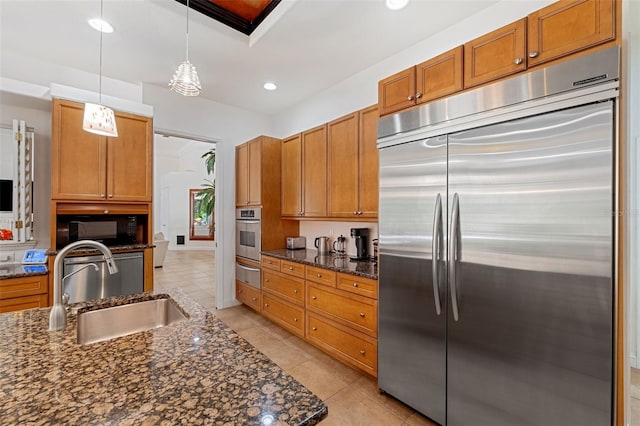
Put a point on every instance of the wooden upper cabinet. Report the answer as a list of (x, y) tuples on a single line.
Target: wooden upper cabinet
[(397, 92), (249, 173), (439, 76), (496, 54), (566, 27), (242, 175), (314, 172), (353, 165), (343, 166), (89, 167), (292, 176), (368, 162)]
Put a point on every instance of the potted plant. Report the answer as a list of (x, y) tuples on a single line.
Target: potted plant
[(207, 195)]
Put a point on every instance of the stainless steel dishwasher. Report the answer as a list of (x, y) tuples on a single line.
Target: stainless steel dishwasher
[(88, 282)]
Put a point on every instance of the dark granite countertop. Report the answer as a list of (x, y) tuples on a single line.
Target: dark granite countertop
[(18, 270), (339, 263), (114, 249), (197, 371)]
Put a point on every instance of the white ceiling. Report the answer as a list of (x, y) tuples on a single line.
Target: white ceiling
[(313, 45)]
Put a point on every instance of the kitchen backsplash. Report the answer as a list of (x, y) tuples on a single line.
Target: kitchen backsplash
[(313, 229)]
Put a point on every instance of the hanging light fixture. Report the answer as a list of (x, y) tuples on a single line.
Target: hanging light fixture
[(185, 81), (98, 118)]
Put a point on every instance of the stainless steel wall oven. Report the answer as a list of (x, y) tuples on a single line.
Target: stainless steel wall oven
[(248, 233)]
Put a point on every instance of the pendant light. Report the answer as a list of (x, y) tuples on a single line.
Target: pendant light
[(98, 118), (185, 81)]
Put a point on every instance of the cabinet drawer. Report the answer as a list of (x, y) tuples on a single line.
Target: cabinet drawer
[(357, 312), (358, 285), (26, 302), (285, 314), (350, 346), (292, 268), (23, 286), (281, 285), (271, 263), (320, 275), (248, 295)]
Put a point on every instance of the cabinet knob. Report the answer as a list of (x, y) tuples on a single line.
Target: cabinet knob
[(314, 328), (362, 352), (319, 275), (291, 268), (254, 299), (295, 319), (295, 291), (106, 212), (110, 195), (266, 305), (533, 54), (266, 280), (418, 95), (360, 213), (314, 297), (102, 196), (355, 284), (355, 213), (409, 98), (361, 314), (518, 61)]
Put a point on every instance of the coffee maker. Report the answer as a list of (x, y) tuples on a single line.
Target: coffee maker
[(361, 237)]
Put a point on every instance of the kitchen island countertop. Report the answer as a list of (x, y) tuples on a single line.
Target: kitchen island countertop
[(196, 371)]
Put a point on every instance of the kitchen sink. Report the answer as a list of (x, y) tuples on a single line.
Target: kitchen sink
[(117, 321)]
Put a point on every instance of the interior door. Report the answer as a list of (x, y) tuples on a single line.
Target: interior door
[(412, 312), (530, 334)]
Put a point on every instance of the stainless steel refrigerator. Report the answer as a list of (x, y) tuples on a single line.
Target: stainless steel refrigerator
[(497, 250)]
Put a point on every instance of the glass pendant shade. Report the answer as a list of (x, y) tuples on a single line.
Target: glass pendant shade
[(100, 120), (185, 81)]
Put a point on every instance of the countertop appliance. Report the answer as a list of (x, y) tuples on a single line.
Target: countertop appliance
[(248, 233), (296, 243), (361, 238), (497, 250), (322, 244), (89, 282)]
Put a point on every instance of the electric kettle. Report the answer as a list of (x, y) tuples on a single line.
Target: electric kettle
[(322, 244)]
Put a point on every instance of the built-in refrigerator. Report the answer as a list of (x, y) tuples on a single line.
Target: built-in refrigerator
[(497, 248)]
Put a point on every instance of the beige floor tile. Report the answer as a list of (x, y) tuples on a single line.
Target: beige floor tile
[(318, 379), (634, 412), (417, 419), (349, 407), (284, 355)]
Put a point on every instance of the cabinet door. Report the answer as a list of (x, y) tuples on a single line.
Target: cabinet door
[(130, 159), (343, 166), (78, 158), (242, 175), (248, 295), (292, 176), (368, 162), (254, 192), (314, 172), (566, 27), (439, 76), (495, 54), (397, 92)]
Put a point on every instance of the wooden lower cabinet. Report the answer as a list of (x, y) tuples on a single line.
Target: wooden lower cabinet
[(248, 295), (287, 315), (24, 293), (287, 287), (354, 348)]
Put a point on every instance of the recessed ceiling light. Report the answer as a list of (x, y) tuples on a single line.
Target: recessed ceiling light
[(101, 25), (396, 4), (270, 86)]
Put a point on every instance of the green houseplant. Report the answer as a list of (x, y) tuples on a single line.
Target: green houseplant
[(207, 195)]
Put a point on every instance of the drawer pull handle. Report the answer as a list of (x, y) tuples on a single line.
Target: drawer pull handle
[(362, 352), (533, 54), (295, 291), (409, 98), (266, 280), (362, 314), (295, 319), (418, 96), (314, 328), (355, 284), (518, 61), (291, 268), (254, 299), (319, 275), (313, 297), (106, 212), (266, 305)]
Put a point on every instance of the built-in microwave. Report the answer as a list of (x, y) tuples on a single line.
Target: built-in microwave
[(109, 230)]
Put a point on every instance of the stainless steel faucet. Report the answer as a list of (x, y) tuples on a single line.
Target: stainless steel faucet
[(58, 315)]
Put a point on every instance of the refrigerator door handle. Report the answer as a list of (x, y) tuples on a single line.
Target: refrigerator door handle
[(435, 253), (453, 254)]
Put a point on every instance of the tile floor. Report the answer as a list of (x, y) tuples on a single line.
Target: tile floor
[(352, 397)]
